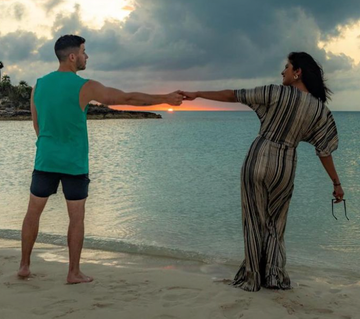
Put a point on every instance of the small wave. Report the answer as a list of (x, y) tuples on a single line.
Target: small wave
[(123, 246)]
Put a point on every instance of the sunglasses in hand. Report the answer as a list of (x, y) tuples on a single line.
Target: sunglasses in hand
[(332, 208)]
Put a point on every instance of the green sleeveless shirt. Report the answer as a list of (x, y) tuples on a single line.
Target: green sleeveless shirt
[(62, 144)]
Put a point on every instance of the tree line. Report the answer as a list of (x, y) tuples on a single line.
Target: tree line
[(14, 96)]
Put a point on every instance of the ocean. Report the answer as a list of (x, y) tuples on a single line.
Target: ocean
[(171, 188)]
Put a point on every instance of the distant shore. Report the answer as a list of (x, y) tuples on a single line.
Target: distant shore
[(95, 112)]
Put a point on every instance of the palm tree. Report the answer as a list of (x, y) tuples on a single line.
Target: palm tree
[(23, 83), (5, 85), (23, 91)]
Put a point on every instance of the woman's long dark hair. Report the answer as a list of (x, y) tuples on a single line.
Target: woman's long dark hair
[(312, 74)]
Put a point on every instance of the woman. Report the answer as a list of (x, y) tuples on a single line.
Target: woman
[(289, 113)]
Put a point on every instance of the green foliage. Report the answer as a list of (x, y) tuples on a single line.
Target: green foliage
[(18, 96)]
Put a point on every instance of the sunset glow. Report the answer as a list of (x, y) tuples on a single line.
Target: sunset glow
[(201, 105)]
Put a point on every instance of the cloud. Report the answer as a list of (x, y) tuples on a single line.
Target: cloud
[(128, 8), (196, 42), (19, 46), (18, 10), (50, 5), (187, 41), (332, 13)]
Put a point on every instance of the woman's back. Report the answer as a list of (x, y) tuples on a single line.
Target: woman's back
[(289, 116)]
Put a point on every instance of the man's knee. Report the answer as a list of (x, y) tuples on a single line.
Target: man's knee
[(76, 209), (37, 204)]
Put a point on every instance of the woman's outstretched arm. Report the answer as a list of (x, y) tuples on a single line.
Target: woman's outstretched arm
[(329, 166), (222, 96)]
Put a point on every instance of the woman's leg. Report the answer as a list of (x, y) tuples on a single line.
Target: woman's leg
[(280, 184), (254, 199)]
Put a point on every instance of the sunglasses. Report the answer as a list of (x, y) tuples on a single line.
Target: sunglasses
[(332, 208)]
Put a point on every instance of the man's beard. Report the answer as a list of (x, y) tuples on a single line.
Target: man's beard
[(80, 66)]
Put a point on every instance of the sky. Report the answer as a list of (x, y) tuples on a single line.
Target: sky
[(159, 46)]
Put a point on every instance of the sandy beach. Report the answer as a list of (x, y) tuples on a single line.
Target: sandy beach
[(133, 286)]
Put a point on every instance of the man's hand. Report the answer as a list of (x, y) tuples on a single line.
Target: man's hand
[(174, 98), (188, 96)]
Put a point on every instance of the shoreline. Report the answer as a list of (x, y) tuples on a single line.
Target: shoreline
[(112, 245), (135, 286), (95, 112)]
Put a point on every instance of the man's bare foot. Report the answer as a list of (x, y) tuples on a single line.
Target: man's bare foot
[(78, 278), (24, 272)]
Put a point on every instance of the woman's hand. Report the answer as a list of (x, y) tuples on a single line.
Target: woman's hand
[(338, 193)]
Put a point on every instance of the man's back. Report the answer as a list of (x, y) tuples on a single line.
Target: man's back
[(62, 144)]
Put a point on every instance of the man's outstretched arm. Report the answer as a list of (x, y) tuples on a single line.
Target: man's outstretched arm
[(95, 91)]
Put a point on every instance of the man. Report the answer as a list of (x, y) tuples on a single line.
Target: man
[(58, 106)]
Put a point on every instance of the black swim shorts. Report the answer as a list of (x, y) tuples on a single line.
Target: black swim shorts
[(44, 184)]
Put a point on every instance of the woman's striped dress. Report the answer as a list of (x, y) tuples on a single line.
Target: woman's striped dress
[(287, 117)]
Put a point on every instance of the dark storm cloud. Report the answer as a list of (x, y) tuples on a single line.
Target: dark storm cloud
[(213, 40), (200, 40), (18, 46)]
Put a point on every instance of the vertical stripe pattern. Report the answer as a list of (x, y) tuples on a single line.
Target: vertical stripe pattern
[(287, 117)]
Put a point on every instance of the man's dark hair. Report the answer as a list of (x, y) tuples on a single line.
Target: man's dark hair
[(67, 44)]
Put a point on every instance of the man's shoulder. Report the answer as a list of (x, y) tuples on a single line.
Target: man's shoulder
[(47, 75), (69, 77), (79, 77)]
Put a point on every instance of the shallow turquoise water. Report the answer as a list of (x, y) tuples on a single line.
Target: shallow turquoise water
[(171, 187)]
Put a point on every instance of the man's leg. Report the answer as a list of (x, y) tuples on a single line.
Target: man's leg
[(76, 210), (29, 232)]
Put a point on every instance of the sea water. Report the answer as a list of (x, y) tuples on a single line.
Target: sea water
[(171, 187)]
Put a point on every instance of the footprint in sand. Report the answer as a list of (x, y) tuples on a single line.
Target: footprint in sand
[(10, 257), (165, 317), (343, 296), (102, 305), (66, 313), (335, 291), (26, 285), (63, 302), (53, 306), (293, 307), (319, 311), (40, 311), (235, 309), (180, 293), (123, 285)]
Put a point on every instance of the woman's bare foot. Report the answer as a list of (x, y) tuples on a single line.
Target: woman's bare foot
[(78, 278), (24, 272)]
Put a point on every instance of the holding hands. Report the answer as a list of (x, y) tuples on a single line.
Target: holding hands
[(174, 98), (188, 96)]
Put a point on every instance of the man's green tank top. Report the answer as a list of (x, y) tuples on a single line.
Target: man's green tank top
[(62, 144)]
